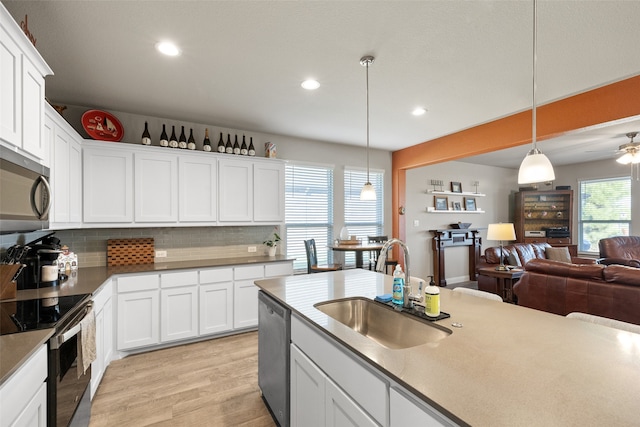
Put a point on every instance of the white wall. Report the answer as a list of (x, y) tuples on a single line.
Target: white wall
[(498, 184)]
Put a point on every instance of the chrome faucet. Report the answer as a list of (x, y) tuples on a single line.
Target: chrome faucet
[(407, 298)]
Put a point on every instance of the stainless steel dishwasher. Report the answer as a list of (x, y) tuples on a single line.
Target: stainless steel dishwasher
[(274, 339)]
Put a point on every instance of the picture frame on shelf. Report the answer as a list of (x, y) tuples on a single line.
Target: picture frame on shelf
[(457, 206), (470, 204), (441, 203), (456, 187)]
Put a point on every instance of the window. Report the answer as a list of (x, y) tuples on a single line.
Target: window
[(308, 211), (604, 211), (362, 217)]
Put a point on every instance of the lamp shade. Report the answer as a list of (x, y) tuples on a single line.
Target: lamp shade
[(629, 157), (501, 232), (368, 192), (535, 167)]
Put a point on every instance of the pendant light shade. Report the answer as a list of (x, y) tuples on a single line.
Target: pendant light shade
[(368, 191), (535, 167)]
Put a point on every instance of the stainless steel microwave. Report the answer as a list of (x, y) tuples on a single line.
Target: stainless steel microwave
[(25, 194)]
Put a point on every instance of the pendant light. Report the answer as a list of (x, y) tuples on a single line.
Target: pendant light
[(535, 167), (368, 192)]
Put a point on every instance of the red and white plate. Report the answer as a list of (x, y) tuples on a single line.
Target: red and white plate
[(102, 126)]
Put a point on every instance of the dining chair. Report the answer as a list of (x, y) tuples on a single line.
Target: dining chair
[(373, 255), (612, 323), (477, 293), (312, 259)]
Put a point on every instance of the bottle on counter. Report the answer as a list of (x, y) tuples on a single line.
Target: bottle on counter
[(236, 146), (206, 144), (252, 149), (191, 142), (164, 139), (146, 137), (173, 141), (228, 148), (182, 142), (243, 148), (432, 299), (221, 144), (398, 285)]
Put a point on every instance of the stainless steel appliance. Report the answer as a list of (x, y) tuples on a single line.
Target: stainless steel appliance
[(274, 339), (68, 401), (25, 195), (39, 260)]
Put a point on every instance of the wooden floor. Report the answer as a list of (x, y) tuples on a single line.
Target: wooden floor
[(210, 383)]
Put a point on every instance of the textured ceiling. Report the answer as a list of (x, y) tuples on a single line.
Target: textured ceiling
[(467, 62)]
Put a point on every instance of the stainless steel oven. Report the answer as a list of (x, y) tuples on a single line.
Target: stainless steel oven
[(25, 195)]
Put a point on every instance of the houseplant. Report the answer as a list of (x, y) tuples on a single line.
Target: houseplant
[(272, 244)]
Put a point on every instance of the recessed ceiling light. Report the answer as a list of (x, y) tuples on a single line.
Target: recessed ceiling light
[(418, 111), (168, 48), (310, 84)]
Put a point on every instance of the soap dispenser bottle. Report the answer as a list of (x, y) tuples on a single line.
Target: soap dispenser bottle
[(398, 285), (432, 299)]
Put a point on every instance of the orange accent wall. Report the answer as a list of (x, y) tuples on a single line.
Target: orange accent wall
[(605, 104)]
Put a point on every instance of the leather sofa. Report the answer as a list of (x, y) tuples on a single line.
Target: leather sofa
[(611, 291), (623, 250), (517, 255)]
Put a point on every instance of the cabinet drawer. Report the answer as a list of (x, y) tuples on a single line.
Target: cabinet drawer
[(535, 240), (138, 283), (250, 272), (559, 240), (181, 278), (216, 275), (275, 270)]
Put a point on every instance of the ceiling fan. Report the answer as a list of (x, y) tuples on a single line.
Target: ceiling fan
[(631, 151)]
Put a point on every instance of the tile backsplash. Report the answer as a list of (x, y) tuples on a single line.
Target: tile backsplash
[(184, 243)]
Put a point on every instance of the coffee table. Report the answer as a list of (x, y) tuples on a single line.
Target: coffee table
[(505, 280)]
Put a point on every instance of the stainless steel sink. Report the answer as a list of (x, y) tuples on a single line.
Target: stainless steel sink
[(384, 325)]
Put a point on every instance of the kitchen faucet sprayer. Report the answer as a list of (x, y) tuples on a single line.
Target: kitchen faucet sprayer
[(380, 266)]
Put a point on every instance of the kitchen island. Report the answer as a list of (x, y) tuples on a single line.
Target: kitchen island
[(506, 365)]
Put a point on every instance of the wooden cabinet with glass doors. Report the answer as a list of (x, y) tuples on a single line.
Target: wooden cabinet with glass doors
[(544, 216)]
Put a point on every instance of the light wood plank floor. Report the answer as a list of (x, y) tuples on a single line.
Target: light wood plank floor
[(209, 383)]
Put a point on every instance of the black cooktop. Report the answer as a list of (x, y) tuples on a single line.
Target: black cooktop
[(29, 315)]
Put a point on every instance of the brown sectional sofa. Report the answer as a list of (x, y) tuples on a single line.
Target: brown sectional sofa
[(557, 287)]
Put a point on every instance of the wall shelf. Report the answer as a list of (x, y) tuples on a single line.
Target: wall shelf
[(431, 209), (451, 193)]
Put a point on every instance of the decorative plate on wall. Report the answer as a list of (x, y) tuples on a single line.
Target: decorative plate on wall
[(102, 126)]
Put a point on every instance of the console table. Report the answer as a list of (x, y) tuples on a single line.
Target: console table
[(451, 237)]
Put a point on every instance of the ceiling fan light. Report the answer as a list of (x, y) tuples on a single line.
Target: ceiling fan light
[(535, 167), (368, 192), (625, 159)]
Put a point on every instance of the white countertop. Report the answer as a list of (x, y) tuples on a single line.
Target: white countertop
[(506, 366)]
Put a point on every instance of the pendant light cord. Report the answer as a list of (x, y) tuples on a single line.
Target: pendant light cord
[(367, 68), (535, 60)]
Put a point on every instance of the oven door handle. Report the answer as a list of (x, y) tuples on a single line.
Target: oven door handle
[(61, 338)]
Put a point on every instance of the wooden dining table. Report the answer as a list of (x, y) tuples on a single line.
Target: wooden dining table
[(358, 248)]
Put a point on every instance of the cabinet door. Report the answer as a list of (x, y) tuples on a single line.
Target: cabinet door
[(107, 312), (198, 189), (10, 84), (35, 413), (97, 366), (404, 412), (268, 192), (307, 391), (75, 181), (138, 319), (216, 307), (60, 174), (235, 190), (156, 188), (342, 411), (108, 189), (179, 313), (245, 304), (32, 110)]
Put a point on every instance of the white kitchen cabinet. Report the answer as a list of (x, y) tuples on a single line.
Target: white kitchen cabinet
[(156, 187), (307, 391), (342, 411), (245, 298), (108, 184), (103, 308), (198, 189), (23, 396), (235, 191), (216, 300), (407, 412), (268, 191), (66, 171), (138, 319), (22, 72), (179, 313)]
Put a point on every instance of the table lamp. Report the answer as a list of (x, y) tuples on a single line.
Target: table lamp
[(501, 232)]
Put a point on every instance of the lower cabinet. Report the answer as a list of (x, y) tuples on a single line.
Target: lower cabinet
[(406, 411), (178, 313), (138, 319), (23, 397), (216, 308), (103, 308)]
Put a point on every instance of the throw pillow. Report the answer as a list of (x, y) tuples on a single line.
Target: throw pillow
[(514, 260), (558, 254)]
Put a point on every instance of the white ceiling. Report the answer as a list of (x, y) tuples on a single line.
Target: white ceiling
[(467, 62)]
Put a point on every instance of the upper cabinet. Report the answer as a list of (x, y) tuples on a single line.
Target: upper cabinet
[(168, 187), (22, 72)]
